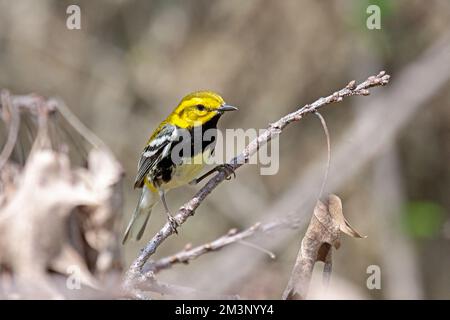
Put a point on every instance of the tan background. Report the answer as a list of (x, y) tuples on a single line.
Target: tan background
[(132, 61)]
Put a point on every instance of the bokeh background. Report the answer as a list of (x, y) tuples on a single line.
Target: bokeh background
[(132, 61)]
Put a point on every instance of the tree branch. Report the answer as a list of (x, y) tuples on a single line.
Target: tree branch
[(11, 116), (188, 209), (231, 237)]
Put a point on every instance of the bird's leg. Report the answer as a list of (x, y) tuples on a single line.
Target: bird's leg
[(173, 223), (227, 168)]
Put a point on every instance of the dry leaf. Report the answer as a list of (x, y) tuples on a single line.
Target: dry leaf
[(323, 233), (336, 212)]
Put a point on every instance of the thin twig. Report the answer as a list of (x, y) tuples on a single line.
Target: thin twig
[(258, 247), (188, 255), (233, 236), (327, 169), (274, 129)]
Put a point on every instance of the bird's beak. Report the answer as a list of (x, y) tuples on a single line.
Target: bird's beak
[(226, 107)]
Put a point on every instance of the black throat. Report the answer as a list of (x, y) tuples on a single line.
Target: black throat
[(163, 173), (210, 139)]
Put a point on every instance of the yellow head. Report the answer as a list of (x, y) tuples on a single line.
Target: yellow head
[(198, 108)]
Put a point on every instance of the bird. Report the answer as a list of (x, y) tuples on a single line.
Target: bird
[(176, 154)]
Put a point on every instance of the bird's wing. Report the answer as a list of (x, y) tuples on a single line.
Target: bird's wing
[(154, 151)]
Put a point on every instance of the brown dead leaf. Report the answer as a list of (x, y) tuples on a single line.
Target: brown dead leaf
[(322, 235), (336, 212)]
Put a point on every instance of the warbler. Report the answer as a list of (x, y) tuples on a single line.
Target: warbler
[(160, 168)]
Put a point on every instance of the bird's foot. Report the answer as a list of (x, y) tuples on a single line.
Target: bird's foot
[(228, 169)]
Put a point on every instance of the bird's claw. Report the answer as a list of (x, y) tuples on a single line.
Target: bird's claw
[(228, 169)]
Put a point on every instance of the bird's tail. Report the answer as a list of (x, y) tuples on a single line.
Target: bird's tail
[(136, 226)]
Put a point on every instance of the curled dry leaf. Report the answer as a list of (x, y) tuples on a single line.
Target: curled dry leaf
[(336, 212), (323, 233)]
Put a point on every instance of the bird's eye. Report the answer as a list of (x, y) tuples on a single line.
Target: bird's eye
[(200, 107)]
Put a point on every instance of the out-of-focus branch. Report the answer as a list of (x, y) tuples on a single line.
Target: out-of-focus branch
[(322, 234), (401, 269), (162, 288), (274, 129), (11, 116), (39, 106)]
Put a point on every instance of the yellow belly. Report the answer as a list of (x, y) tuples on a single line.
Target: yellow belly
[(186, 172)]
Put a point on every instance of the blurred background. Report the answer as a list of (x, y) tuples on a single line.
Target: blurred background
[(132, 61)]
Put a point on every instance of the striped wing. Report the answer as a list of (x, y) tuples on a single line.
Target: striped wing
[(157, 149)]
